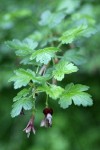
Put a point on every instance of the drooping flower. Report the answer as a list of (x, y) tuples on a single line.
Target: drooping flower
[(47, 121), (30, 127)]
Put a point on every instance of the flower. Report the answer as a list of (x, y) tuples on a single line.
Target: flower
[(47, 121), (30, 127)]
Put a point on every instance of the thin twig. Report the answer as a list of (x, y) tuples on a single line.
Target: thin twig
[(71, 45), (54, 81), (42, 70)]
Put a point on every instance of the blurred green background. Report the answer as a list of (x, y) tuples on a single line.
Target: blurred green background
[(75, 128)]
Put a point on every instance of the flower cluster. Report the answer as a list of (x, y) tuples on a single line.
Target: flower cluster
[(46, 122)]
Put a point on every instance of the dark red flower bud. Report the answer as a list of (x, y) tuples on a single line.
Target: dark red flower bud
[(47, 121), (48, 111)]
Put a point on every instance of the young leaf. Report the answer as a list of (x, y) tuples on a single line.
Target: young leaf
[(22, 93), (68, 6), (26, 61), (77, 94), (74, 56), (53, 91), (45, 17), (51, 19), (62, 68), (44, 55), (23, 48), (24, 102), (22, 78), (70, 35)]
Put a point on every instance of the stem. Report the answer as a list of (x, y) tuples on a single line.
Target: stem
[(31, 84), (37, 69), (34, 108), (42, 70), (54, 81), (34, 99), (72, 45), (59, 45), (46, 103), (51, 35), (55, 61), (59, 56), (34, 104)]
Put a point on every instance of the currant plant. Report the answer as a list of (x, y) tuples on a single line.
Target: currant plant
[(46, 66)]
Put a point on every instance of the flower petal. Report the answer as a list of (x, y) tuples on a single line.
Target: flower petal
[(43, 123), (33, 130), (49, 118)]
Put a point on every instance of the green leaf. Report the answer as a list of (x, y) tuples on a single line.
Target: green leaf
[(74, 56), (22, 93), (62, 68), (70, 35), (24, 47), (68, 6), (22, 78), (44, 55), (45, 17), (77, 94), (51, 19), (26, 61), (48, 73), (53, 91), (23, 102)]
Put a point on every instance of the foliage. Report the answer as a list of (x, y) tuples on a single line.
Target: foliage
[(59, 68), (70, 35), (53, 91), (63, 36), (77, 94), (63, 67), (23, 102), (44, 55)]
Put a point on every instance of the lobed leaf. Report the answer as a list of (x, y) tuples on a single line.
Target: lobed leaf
[(62, 68), (44, 55), (74, 56), (51, 19), (24, 102), (77, 94), (24, 47), (70, 35), (68, 6), (23, 93), (53, 91), (23, 77)]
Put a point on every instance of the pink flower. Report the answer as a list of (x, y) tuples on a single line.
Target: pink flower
[(30, 127), (47, 121)]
